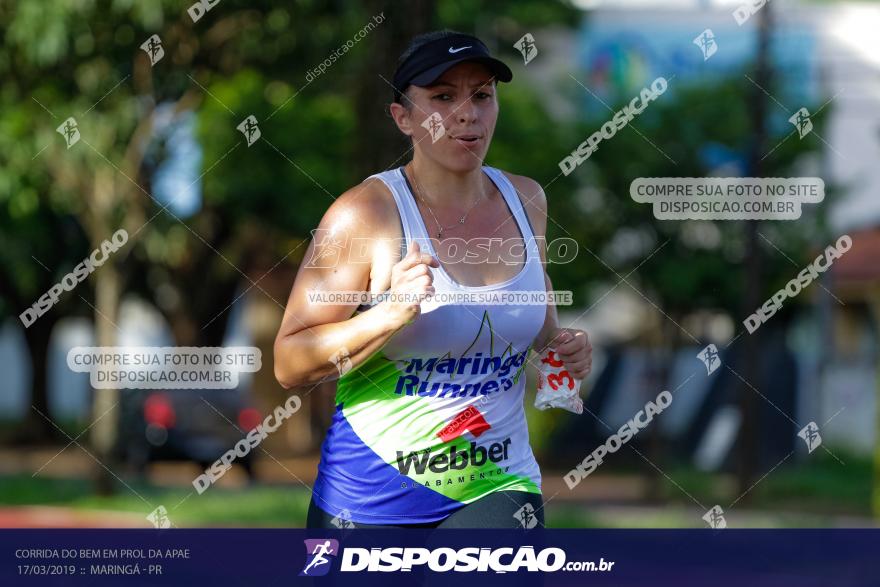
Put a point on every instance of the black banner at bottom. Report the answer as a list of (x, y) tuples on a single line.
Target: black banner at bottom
[(270, 558)]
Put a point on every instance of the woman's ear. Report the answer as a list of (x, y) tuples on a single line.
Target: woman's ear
[(401, 117)]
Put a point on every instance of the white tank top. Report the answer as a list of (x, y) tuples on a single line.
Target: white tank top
[(435, 419)]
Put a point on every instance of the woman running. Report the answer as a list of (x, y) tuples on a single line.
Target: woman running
[(429, 428)]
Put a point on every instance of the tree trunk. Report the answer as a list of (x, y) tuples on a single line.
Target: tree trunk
[(108, 289), (36, 429), (379, 145), (874, 304), (105, 432), (663, 356), (748, 437)]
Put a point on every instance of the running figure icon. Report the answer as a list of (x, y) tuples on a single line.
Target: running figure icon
[(319, 552)]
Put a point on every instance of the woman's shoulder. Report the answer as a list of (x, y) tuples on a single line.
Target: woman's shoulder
[(368, 205), (533, 199)]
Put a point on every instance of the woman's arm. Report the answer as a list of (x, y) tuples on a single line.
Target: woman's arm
[(572, 345), (314, 338), (551, 320)]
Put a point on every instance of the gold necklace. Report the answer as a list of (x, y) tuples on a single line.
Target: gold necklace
[(440, 228)]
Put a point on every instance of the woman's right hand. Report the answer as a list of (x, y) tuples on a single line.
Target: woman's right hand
[(411, 282)]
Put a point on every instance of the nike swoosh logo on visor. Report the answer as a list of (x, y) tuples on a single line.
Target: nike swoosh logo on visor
[(451, 50)]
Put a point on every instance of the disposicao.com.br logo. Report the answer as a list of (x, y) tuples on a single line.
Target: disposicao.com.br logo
[(443, 559)]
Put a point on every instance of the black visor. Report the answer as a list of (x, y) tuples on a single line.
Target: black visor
[(432, 59)]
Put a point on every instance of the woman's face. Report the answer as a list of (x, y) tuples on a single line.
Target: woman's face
[(464, 101)]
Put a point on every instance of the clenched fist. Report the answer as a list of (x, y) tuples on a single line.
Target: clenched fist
[(574, 349)]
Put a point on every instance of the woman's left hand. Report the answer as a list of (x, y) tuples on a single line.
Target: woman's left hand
[(574, 349)]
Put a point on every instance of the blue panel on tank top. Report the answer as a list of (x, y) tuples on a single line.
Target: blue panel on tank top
[(351, 477)]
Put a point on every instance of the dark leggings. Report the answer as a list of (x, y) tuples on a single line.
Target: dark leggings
[(502, 509)]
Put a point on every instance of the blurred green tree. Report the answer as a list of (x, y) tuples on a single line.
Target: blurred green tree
[(84, 58)]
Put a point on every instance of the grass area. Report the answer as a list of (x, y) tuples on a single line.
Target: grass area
[(822, 484), (574, 516), (791, 496), (571, 516), (262, 505)]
